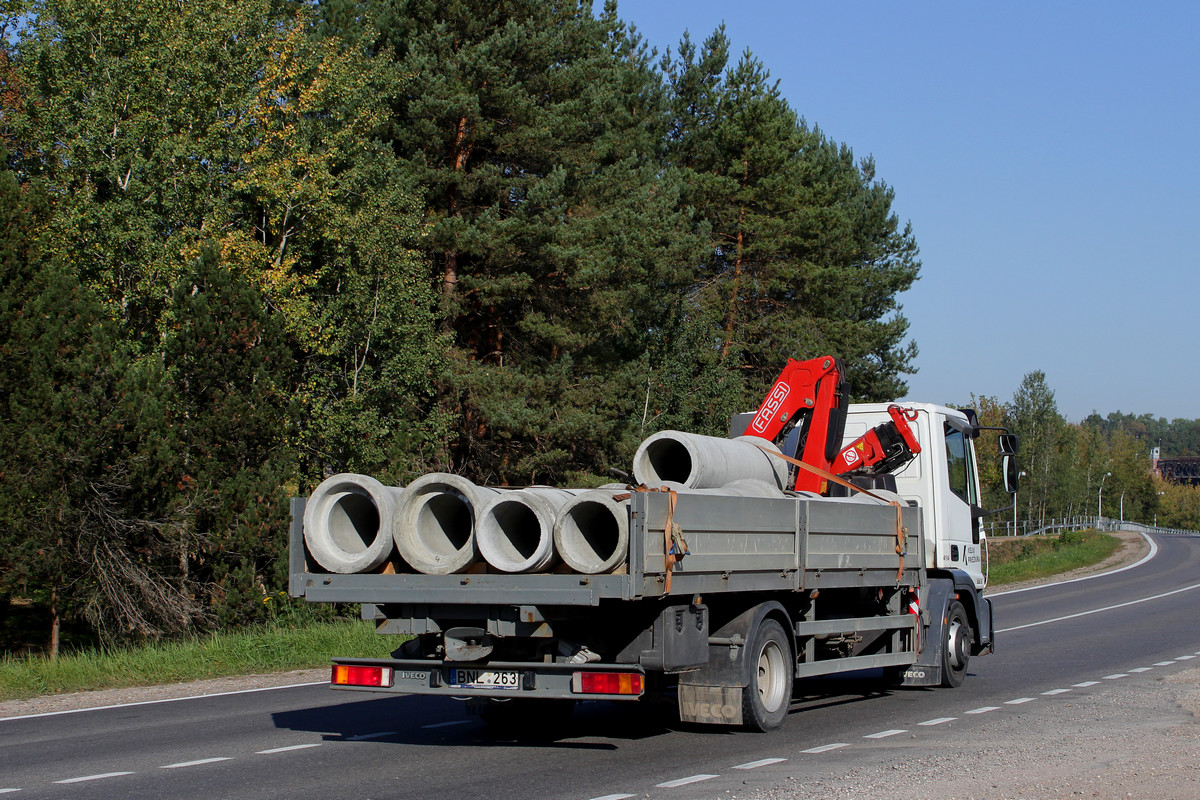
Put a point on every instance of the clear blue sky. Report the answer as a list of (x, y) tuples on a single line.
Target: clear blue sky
[(1046, 155)]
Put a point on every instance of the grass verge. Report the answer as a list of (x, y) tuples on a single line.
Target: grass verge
[(269, 649), (1030, 557)]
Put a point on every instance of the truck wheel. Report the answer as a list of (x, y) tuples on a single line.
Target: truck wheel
[(956, 648), (768, 692)]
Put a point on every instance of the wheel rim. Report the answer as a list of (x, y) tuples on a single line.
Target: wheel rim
[(772, 680), (956, 646)]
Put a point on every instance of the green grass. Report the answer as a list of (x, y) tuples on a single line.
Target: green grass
[(1029, 557), (269, 649)]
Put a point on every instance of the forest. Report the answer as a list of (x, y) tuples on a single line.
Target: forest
[(247, 245)]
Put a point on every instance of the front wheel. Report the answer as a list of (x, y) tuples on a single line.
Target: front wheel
[(768, 692), (956, 645)]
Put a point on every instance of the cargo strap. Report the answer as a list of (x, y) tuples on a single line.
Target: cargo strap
[(674, 545), (901, 530)]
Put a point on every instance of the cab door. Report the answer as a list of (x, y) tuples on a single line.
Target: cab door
[(962, 531)]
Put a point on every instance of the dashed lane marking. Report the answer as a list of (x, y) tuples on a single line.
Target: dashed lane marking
[(1018, 701), (884, 734), (1164, 663), (365, 736), (1114, 676), (275, 750), (196, 763), (8, 791), (762, 762), (939, 721), (1185, 658), (825, 748), (101, 776), (614, 797), (446, 724), (1056, 691), (983, 709), (1141, 669), (686, 781), (1085, 684)]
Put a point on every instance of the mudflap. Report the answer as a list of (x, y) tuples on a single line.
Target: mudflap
[(927, 671), (710, 705)]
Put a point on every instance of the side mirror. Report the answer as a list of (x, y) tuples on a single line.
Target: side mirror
[(1012, 475), (1009, 444)]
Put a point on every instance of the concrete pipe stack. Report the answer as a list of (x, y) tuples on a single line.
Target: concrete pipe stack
[(442, 523)]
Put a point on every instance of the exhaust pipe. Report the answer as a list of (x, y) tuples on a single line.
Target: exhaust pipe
[(706, 462), (435, 525), (516, 529), (347, 523), (592, 531)]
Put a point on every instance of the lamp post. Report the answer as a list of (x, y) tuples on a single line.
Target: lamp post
[(1100, 497), (1160, 494), (1021, 475)]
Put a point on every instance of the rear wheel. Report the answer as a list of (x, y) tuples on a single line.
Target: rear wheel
[(768, 692), (956, 645)]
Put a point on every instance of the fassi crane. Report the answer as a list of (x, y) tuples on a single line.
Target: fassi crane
[(812, 394)]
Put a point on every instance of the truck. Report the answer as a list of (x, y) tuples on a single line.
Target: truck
[(870, 559)]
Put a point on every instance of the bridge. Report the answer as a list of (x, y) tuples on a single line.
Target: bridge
[(1180, 470)]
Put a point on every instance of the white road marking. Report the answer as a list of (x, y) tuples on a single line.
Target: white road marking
[(274, 750), (825, 748), (938, 721), (762, 762), (94, 777), (983, 709), (613, 797), (165, 700), (1085, 684), (197, 763), (446, 724), (685, 781), (1100, 610), (1185, 658), (1141, 669), (365, 736), (8, 791), (884, 734), (1116, 675), (1056, 691), (1018, 701), (1164, 663)]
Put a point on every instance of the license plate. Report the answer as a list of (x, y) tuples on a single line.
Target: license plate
[(485, 679)]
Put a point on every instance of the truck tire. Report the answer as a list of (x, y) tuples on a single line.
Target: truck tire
[(956, 647), (768, 692)]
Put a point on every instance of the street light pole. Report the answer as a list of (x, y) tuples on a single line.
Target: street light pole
[(1100, 497)]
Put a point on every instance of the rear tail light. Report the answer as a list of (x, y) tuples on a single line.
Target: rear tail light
[(630, 683), (349, 675)]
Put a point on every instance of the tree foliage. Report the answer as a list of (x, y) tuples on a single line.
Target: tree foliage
[(249, 244)]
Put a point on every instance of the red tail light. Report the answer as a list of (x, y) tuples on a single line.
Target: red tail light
[(348, 675), (630, 683)]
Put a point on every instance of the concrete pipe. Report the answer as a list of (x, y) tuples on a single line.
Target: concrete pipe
[(436, 520), (347, 523), (516, 529), (706, 462), (592, 531)]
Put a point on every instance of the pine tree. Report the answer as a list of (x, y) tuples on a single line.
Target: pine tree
[(535, 132)]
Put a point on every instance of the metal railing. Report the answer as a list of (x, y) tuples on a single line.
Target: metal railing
[(1000, 528)]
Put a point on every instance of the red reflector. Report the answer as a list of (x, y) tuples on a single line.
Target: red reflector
[(347, 675), (608, 683)]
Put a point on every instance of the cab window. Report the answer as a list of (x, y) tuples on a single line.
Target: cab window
[(958, 465)]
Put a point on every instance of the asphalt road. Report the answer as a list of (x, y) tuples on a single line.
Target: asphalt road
[(1054, 642)]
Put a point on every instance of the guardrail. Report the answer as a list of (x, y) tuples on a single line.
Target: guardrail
[(998, 529)]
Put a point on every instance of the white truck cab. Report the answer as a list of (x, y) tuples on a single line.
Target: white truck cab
[(943, 481)]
